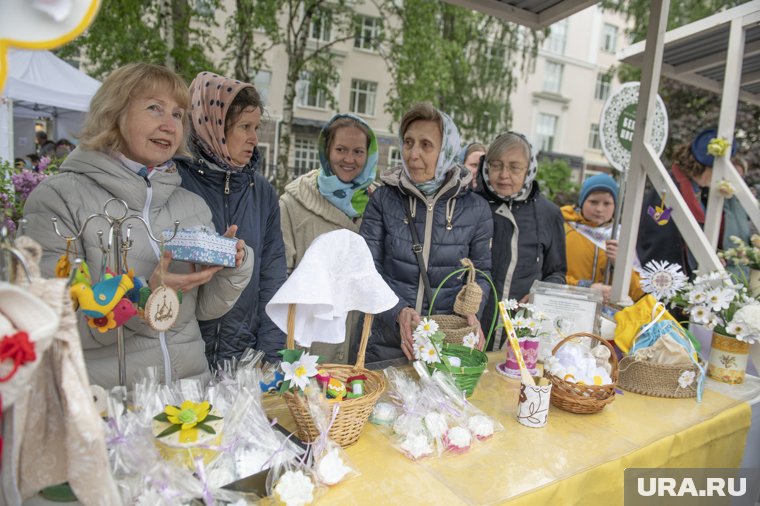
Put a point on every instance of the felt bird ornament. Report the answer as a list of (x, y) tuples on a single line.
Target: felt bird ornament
[(98, 300), (123, 311)]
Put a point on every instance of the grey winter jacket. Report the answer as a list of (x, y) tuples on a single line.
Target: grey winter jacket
[(87, 180), (453, 224)]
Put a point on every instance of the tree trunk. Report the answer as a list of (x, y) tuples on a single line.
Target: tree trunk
[(244, 44), (167, 21)]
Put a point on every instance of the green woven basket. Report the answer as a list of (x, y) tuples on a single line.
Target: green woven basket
[(466, 376)]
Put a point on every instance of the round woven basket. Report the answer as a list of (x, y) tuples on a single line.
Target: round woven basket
[(583, 399), (467, 375), (353, 413), (657, 380), (455, 327)]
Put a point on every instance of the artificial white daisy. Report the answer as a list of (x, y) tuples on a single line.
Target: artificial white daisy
[(662, 279), (470, 340), (531, 323), (736, 328), (520, 323), (697, 297), (686, 379), (719, 299), (429, 354), (510, 304), (540, 316), (528, 306), (701, 314), (419, 345), (301, 370), (427, 327)]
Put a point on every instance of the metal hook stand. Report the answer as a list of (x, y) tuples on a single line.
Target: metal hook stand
[(113, 250)]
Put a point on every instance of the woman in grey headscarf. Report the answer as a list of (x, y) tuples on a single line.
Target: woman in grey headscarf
[(529, 234), (430, 190)]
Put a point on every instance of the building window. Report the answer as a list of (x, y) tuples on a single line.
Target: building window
[(553, 77), (593, 137), (546, 131), (368, 32), (557, 37), (363, 97), (602, 86), (321, 23), (261, 81), (309, 95), (609, 38), (394, 157), (306, 155)]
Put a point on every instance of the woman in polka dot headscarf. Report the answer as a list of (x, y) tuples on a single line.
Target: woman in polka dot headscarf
[(225, 115)]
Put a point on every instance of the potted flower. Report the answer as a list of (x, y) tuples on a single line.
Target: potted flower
[(717, 302), (527, 322), (746, 255)]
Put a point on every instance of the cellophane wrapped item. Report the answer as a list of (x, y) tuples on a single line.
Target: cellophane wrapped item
[(152, 470), (292, 482), (330, 463)]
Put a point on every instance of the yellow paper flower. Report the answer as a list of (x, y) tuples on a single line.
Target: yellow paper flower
[(103, 324), (189, 414), (718, 146), (726, 189)]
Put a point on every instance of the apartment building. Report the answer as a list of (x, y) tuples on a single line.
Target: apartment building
[(558, 104)]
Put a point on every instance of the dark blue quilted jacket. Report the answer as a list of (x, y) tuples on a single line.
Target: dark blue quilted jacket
[(246, 199), (454, 224)]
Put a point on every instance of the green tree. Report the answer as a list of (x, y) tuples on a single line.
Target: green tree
[(462, 61), (308, 31), (555, 179), (174, 33)]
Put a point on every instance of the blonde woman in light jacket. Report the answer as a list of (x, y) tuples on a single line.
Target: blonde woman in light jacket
[(332, 197), (136, 123)]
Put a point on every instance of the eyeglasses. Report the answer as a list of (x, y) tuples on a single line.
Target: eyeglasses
[(513, 168)]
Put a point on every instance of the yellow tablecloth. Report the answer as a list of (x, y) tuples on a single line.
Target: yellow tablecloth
[(575, 459)]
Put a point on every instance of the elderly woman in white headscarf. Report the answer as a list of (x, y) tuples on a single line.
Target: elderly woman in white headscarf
[(425, 206), (529, 233)]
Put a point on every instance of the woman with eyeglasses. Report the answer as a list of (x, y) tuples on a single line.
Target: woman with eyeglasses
[(528, 230)]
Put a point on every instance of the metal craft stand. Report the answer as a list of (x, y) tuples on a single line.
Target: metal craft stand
[(113, 250)]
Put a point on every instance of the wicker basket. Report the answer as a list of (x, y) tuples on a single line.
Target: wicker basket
[(583, 399), (467, 375), (455, 327), (657, 380), (353, 413)]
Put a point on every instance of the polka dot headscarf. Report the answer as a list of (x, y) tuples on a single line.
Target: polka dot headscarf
[(211, 96)]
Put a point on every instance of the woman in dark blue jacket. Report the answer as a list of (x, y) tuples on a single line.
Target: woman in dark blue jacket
[(529, 231), (225, 117), (451, 223)]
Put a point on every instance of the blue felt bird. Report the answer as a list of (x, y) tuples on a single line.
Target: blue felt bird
[(100, 299)]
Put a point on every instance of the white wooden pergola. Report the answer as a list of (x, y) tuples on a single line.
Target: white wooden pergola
[(720, 53)]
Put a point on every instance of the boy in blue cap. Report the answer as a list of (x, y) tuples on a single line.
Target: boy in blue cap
[(589, 236)]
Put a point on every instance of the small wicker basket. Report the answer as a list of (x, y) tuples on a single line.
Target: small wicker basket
[(657, 380), (583, 399), (353, 413), (455, 327)]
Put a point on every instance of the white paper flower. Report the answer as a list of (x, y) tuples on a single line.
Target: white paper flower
[(719, 299), (697, 296), (686, 378), (726, 189), (528, 306), (540, 316), (750, 316), (662, 279), (470, 340), (510, 304), (701, 314), (426, 328), (520, 323), (301, 370)]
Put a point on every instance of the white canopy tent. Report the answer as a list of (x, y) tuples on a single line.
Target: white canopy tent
[(39, 84)]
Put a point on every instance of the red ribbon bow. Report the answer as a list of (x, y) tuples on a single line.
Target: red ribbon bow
[(17, 348)]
